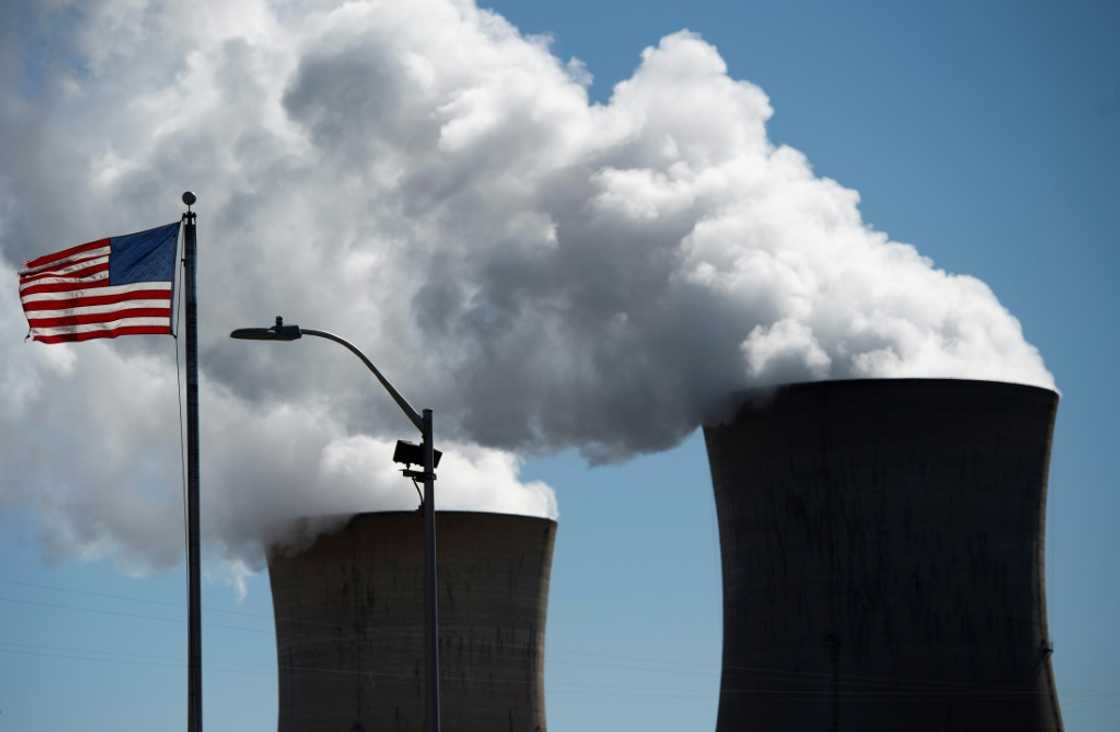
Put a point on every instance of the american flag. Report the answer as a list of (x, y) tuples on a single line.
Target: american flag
[(102, 289)]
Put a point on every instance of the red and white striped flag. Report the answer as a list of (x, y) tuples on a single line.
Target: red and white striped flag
[(102, 289)]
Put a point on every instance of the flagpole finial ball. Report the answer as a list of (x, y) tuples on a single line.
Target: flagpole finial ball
[(189, 198)]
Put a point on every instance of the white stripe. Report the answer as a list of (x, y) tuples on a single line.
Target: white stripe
[(91, 327), (56, 270), (95, 277), (100, 251), (96, 309), (112, 290)]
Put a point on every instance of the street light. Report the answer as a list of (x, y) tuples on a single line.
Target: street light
[(424, 455)]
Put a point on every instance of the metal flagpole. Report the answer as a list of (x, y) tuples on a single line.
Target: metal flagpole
[(194, 621)]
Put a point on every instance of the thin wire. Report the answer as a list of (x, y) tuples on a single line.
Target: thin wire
[(864, 688), (133, 598), (561, 688), (851, 684), (902, 690), (182, 438), (122, 614)]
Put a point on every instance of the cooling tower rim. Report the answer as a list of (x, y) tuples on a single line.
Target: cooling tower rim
[(760, 395), (908, 380), (303, 530), (439, 512), (350, 517)]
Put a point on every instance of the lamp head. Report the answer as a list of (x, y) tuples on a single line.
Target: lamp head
[(278, 332), (409, 453)]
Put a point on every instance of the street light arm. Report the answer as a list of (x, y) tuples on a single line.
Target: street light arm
[(411, 413), (424, 423)]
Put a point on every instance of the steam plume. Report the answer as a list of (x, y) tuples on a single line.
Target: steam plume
[(422, 178)]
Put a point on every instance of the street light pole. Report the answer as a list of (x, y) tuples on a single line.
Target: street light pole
[(424, 423), (431, 599)]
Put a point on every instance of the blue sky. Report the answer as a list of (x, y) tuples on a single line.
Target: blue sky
[(984, 134)]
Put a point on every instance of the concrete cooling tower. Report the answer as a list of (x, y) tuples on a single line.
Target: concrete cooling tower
[(350, 633), (882, 546)]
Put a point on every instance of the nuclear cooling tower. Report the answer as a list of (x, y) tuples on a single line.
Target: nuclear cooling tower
[(882, 546), (350, 633)]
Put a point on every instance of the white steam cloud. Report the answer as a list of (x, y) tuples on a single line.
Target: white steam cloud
[(425, 180)]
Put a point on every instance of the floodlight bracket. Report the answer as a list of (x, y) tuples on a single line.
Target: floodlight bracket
[(417, 474)]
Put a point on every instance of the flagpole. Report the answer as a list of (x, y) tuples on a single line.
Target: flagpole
[(194, 620)]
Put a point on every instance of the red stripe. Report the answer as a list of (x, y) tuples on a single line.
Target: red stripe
[(64, 286), (99, 317), (47, 258), (78, 302), (127, 330), (25, 278)]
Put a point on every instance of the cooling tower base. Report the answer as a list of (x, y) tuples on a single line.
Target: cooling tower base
[(350, 633), (882, 545)]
